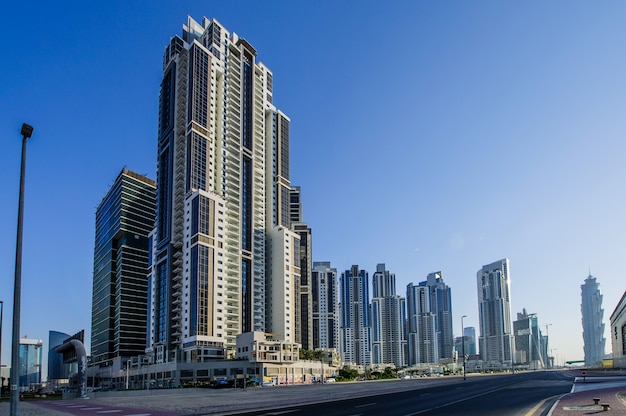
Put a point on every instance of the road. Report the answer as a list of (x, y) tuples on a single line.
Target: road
[(522, 394)]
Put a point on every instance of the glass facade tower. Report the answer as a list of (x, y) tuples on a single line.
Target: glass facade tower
[(119, 306), (30, 360)]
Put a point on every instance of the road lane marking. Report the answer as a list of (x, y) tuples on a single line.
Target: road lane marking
[(110, 411), (91, 408), (421, 411), (365, 405), (465, 399), (536, 407), (282, 413)]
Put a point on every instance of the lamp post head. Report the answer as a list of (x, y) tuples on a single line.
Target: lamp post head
[(27, 130)]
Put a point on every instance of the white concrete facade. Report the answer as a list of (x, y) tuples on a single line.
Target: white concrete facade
[(618, 333), (222, 183)]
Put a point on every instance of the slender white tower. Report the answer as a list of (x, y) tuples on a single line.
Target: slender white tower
[(593, 327)]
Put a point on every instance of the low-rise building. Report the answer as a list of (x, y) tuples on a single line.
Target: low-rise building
[(257, 347), (260, 358), (618, 333)]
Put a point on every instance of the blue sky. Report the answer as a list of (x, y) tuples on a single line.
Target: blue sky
[(425, 135)]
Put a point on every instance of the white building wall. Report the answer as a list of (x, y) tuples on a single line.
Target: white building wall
[(224, 54), (618, 333), (281, 283)]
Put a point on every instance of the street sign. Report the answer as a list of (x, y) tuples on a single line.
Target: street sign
[(583, 373)]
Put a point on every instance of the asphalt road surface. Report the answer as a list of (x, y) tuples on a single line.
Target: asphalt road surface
[(523, 394)]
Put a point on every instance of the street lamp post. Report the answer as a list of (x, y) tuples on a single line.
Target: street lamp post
[(26, 133), (548, 342), (463, 344)]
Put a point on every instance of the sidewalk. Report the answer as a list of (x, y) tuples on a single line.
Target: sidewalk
[(581, 400), (29, 409)]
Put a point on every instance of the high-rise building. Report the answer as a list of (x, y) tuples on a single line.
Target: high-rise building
[(119, 306), (30, 360), (592, 319), (494, 311), (223, 200), (441, 306), (422, 335), (304, 305), (389, 344), (325, 296), (528, 341), (355, 317)]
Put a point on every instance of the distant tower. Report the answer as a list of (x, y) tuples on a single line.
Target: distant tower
[(593, 327), (325, 306), (469, 338), (422, 336), (441, 306), (355, 317), (528, 341), (469, 335), (389, 344), (494, 311)]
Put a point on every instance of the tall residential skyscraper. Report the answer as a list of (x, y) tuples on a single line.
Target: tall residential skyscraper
[(441, 306), (119, 306), (325, 296), (494, 312), (389, 344), (223, 221), (355, 317), (422, 336), (593, 325)]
